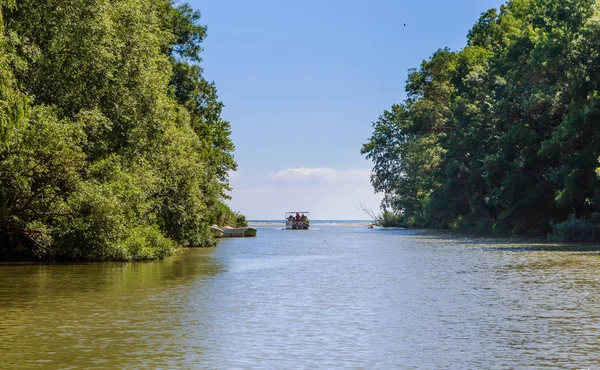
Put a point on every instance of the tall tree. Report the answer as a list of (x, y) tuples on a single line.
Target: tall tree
[(503, 133), (119, 150)]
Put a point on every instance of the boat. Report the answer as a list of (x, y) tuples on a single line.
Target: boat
[(217, 233), (297, 220), (251, 231), (229, 232)]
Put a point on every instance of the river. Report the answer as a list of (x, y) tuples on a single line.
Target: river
[(330, 297)]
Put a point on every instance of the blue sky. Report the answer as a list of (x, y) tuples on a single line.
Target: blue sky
[(302, 82)]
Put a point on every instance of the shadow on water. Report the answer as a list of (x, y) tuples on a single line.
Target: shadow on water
[(581, 249), (96, 279), (101, 314), (494, 243)]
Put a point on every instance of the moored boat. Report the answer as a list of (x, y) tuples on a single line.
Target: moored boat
[(251, 231), (217, 233), (229, 231)]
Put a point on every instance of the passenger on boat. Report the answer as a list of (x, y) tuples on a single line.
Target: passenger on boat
[(297, 217)]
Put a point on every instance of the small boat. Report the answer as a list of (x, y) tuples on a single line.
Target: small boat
[(251, 231), (297, 220), (229, 231), (217, 233)]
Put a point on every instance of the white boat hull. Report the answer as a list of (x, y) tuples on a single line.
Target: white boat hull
[(297, 225), (239, 232), (234, 232)]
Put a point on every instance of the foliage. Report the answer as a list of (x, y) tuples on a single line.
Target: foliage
[(390, 219), (574, 230), (111, 140), (504, 134), (386, 218), (224, 216)]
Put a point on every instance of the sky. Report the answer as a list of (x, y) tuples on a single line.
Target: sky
[(302, 82)]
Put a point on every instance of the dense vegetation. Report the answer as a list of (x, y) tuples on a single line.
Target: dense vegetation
[(111, 141), (504, 134)]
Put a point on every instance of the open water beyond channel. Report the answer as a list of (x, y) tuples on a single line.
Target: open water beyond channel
[(332, 297)]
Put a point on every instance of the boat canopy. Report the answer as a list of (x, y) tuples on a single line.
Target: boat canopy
[(293, 214)]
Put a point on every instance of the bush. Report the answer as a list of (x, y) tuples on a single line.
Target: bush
[(390, 219), (224, 216), (574, 230), (146, 243), (240, 220)]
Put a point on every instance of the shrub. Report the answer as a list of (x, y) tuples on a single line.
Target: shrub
[(145, 243), (390, 219), (240, 220), (224, 216), (574, 230)]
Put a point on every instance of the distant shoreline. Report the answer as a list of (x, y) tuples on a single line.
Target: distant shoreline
[(313, 223)]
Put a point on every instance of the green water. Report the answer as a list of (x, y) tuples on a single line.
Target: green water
[(333, 297)]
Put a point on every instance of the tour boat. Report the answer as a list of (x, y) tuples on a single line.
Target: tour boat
[(297, 220)]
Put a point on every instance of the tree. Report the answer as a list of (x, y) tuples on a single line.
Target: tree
[(502, 134), (112, 146)]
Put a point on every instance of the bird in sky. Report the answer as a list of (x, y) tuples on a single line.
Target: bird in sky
[(404, 24)]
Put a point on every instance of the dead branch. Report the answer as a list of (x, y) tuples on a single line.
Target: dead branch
[(369, 211)]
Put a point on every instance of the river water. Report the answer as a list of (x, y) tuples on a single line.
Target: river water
[(332, 297)]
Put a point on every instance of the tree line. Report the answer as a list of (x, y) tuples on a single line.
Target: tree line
[(112, 144), (504, 134)]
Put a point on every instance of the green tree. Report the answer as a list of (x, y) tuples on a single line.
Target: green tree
[(502, 134), (112, 146)]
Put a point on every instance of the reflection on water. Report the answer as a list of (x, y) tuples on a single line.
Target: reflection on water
[(330, 298)]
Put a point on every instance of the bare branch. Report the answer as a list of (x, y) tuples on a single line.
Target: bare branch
[(369, 211)]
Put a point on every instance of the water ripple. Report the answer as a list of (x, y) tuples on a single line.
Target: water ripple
[(373, 299)]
